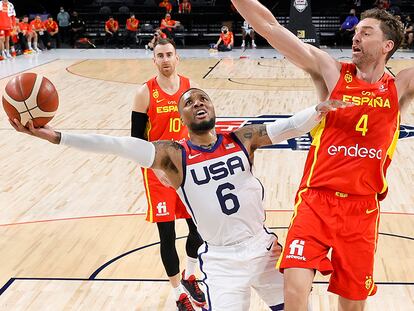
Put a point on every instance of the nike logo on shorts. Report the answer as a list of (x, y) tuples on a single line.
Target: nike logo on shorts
[(371, 211), (270, 247)]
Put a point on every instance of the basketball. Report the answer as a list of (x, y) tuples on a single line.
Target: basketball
[(30, 96)]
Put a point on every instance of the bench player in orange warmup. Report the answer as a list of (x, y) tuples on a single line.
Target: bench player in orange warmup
[(155, 117), (337, 204)]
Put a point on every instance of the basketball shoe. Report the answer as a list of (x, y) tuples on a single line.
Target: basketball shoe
[(194, 290), (184, 304)]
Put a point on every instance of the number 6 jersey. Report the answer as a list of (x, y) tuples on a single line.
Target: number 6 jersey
[(220, 191), (352, 148)]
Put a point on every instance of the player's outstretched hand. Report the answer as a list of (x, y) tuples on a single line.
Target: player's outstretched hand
[(44, 132), (331, 105)]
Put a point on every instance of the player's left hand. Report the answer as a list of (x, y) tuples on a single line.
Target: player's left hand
[(331, 105)]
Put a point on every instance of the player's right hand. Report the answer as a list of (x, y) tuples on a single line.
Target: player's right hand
[(44, 132)]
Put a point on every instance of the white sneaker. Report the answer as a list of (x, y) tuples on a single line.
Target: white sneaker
[(243, 45), (254, 45), (146, 46), (8, 55), (4, 54), (38, 50)]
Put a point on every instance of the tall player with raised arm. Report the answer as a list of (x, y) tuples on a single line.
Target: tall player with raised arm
[(212, 175), (345, 171)]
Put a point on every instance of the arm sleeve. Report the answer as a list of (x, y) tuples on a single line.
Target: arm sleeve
[(139, 122), (298, 124), (137, 150)]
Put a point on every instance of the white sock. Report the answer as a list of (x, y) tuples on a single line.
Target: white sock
[(178, 291), (252, 41), (35, 45), (243, 42), (30, 45), (191, 267)]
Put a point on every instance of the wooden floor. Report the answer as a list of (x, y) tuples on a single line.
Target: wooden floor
[(72, 228)]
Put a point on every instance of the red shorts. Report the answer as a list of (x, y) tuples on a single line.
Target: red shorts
[(5, 33), (347, 224), (164, 204)]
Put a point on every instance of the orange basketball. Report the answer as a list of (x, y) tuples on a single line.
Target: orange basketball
[(29, 96)]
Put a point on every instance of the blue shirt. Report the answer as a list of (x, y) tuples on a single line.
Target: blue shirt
[(349, 22)]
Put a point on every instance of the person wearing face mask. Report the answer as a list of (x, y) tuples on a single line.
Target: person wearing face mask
[(347, 29), (63, 19), (226, 41), (168, 25)]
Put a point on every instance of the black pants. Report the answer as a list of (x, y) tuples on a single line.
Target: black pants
[(23, 42), (112, 39), (56, 38), (224, 48), (45, 38), (130, 38), (169, 255)]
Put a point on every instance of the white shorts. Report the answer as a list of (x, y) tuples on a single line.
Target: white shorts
[(230, 272), (248, 31)]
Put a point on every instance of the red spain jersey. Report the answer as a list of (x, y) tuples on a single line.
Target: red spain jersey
[(37, 24), (226, 38), (51, 26), (7, 16), (352, 148), (164, 121), (132, 24)]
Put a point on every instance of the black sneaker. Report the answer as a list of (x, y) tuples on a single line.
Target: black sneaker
[(194, 290), (184, 304)]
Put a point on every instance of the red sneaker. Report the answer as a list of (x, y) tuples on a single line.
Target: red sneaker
[(191, 285), (184, 304)]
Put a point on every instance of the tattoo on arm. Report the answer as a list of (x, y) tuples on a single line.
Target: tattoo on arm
[(164, 149)]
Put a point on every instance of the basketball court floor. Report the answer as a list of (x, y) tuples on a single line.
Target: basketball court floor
[(73, 234)]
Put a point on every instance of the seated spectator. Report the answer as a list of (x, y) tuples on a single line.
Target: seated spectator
[(347, 29), (111, 31), (157, 35), (131, 31), (226, 41), (168, 25), (167, 5), (27, 34), (382, 4), (53, 29), (77, 28), (408, 32), (40, 29), (247, 30), (184, 7)]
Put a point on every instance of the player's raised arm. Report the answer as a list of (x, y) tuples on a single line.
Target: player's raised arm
[(404, 82), (305, 56), (256, 136), (162, 155)]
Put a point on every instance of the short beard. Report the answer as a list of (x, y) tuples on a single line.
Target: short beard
[(199, 128)]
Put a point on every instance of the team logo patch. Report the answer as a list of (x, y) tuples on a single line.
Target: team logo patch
[(368, 282), (348, 77), (155, 94), (230, 124)]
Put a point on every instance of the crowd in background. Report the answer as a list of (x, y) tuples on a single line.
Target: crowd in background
[(35, 33)]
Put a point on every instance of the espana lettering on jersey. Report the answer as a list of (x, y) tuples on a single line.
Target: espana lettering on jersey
[(229, 124)]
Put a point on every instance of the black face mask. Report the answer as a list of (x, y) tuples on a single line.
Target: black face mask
[(225, 31)]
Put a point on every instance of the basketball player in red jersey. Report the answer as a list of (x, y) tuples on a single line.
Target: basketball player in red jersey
[(155, 116), (344, 178), (7, 22)]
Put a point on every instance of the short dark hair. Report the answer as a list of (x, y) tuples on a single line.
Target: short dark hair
[(165, 42), (392, 28)]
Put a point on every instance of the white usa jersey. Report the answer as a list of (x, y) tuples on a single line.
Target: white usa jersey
[(220, 192)]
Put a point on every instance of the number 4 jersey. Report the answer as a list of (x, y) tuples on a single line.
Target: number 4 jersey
[(352, 148), (220, 191)]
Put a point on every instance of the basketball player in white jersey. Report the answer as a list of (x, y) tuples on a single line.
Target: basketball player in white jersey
[(212, 173)]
